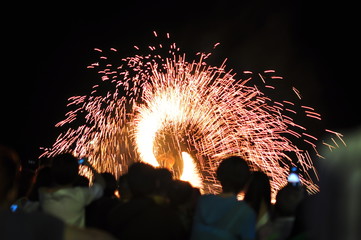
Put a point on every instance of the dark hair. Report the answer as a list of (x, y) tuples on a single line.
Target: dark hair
[(141, 179), (287, 200), (233, 174), (179, 192), (123, 187), (9, 170), (163, 180), (64, 169), (259, 189)]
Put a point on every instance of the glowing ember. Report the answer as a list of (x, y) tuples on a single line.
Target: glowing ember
[(186, 116)]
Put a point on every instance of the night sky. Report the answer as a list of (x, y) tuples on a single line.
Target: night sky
[(47, 48)]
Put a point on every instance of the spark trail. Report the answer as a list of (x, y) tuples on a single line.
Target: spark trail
[(185, 116)]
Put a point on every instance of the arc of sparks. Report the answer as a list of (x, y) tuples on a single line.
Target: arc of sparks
[(192, 113)]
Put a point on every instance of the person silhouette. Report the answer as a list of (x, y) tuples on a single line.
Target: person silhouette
[(97, 210), (143, 216), (258, 196), (223, 216), (64, 200)]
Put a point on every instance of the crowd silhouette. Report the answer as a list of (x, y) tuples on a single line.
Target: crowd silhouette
[(148, 203)]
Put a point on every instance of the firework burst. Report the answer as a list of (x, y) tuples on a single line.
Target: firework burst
[(185, 116)]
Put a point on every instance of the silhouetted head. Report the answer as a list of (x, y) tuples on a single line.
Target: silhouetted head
[(64, 169), (180, 192), (123, 188), (233, 174), (287, 200), (111, 184), (163, 180), (141, 179)]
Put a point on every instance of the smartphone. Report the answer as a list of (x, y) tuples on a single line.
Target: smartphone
[(81, 161), (293, 177), (14, 207)]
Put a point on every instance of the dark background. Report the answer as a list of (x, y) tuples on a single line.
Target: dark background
[(46, 48)]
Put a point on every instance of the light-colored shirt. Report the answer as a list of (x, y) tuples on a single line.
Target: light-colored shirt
[(68, 204)]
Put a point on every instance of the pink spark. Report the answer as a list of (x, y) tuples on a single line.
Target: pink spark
[(215, 45), (310, 108), (269, 86), (290, 110), (313, 116), (262, 78), (288, 102), (276, 77), (297, 92), (310, 136)]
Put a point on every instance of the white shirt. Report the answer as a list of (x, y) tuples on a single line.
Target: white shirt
[(69, 203)]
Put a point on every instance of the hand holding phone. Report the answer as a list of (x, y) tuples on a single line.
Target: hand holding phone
[(14, 207), (293, 177), (82, 161)]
